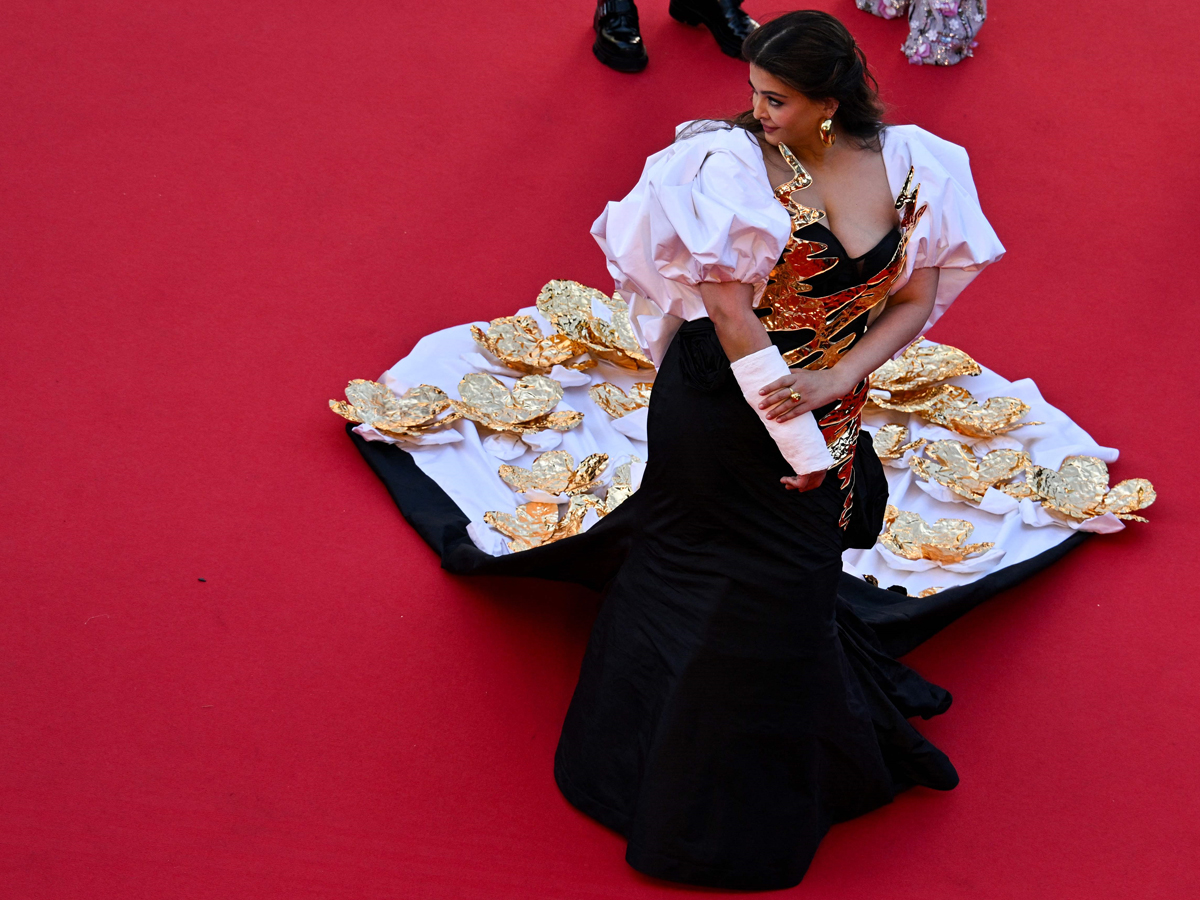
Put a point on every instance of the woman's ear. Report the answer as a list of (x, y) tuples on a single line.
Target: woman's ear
[(831, 106)]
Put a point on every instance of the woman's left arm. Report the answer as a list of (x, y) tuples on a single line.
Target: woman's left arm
[(902, 319)]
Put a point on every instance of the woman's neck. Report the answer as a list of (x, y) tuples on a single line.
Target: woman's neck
[(813, 154)]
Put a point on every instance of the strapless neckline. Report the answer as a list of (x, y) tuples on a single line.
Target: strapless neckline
[(836, 245)]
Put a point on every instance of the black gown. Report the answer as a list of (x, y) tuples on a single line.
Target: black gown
[(739, 693), (727, 711)]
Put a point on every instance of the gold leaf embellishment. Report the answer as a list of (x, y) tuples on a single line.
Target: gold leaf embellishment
[(555, 473), (953, 407), (953, 465), (518, 342), (616, 402), (944, 542), (535, 524), (568, 304), (523, 410), (621, 488), (1079, 490), (923, 364), (410, 415), (891, 442)]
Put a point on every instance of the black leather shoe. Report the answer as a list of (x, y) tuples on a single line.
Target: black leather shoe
[(618, 41), (724, 18)]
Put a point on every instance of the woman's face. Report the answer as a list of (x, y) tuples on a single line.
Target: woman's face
[(787, 116)]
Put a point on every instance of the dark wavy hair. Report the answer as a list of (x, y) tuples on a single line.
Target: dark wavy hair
[(815, 54)]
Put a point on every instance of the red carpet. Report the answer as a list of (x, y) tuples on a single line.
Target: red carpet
[(216, 213)]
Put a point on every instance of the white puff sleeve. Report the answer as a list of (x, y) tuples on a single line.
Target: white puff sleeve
[(953, 235), (702, 211)]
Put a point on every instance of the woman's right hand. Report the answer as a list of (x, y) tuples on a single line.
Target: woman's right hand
[(803, 482)]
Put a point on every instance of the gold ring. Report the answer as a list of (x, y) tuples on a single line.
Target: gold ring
[(796, 397)]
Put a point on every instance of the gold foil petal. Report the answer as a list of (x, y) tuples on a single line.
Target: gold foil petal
[(550, 472), (584, 478), (418, 430), (929, 592), (891, 442), (616, 402), (1079, 490), (871, 580), (556, 421), (923, 364), (375, 405), (617, 336), (1018, 490), (997, 416), (1128, 496), (487, 401), (621, 488), (532, 525), (555, 473), (518, 342), (559, 421), (1076, 490), (953, 465), (953, 407), (568, 305), (944, 542), (535, 524), (572, 521)]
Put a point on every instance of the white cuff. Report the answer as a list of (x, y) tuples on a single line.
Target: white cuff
[(799, 439)]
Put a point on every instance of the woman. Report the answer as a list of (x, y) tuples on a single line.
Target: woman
[(721, 720), (731, 706)]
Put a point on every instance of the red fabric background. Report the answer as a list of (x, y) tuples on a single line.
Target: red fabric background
[(216, 213)]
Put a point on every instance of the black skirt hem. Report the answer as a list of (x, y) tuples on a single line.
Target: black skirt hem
[(901, 623), (588, 805)]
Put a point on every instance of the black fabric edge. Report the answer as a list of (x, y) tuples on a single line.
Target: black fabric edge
[(901, 622), (443, 525)]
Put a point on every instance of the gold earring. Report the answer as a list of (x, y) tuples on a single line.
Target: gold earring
[(827, 135)]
